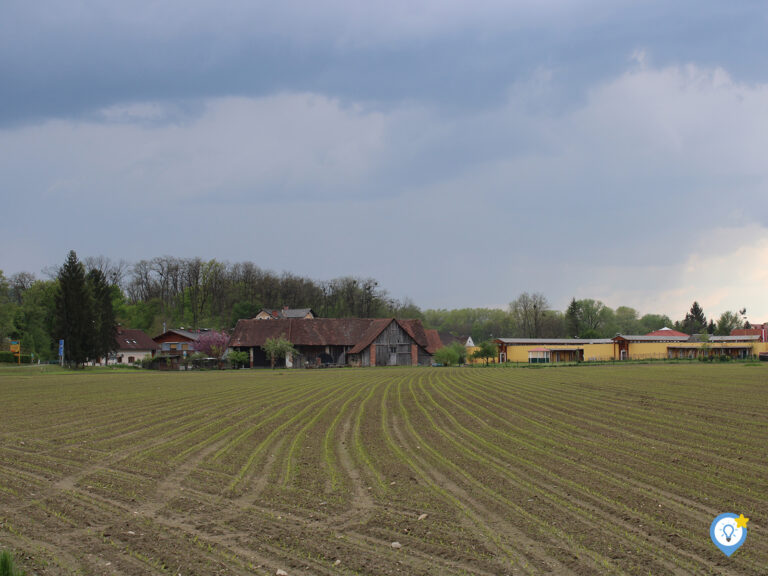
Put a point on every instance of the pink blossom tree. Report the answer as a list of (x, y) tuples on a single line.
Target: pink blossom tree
[(213, 344)]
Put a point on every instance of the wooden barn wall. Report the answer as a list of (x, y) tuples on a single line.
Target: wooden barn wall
[(393, 347), (425, 359)]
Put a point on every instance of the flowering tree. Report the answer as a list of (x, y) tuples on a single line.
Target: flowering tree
[(213, 344)]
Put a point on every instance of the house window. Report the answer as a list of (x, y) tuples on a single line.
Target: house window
[(131, 359), (185, 346), (166, 346)]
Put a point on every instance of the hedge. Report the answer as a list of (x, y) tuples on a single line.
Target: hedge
[(11, 358)]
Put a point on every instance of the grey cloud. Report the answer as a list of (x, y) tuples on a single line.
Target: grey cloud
[(68, 59)]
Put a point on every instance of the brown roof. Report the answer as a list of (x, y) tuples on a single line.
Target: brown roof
[(133, 339), (434, 340), (356, 332), (276, 313)]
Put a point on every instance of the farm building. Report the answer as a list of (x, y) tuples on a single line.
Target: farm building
[(656, 345), (284, 313), (545, 350), (340, 341)]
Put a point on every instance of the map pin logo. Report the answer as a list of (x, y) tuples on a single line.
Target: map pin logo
[(728, 532)]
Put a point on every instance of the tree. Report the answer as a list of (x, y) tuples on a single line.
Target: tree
[(34, 319), (277, 349), (486, 351), (527, 311), (592, 317), (213, 344), (74, 311), (572, 319), (7, 309), (447, 356), (626, 320), (653, 322), (104, 325), (727, 322), (241, 310), (695, 321)]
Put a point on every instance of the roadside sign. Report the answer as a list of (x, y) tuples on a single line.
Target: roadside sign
[(15, 347), (61, 347)]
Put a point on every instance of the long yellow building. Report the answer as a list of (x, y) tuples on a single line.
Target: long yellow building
[(626, 347)]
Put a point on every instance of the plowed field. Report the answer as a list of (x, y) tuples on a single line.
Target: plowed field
[(587, 470)]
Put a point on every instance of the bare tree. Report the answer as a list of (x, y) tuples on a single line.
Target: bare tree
[(20, 283), (528, 312)]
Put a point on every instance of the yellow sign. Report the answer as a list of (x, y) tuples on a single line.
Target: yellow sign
[(15, 347)]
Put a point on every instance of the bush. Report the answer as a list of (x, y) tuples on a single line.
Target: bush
[(239, 359), (447, 356), (11, 358), (7, 567)]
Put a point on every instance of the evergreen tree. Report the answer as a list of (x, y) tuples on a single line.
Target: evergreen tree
[(104, 332), (572, 320), (695, 322), (74, 311)]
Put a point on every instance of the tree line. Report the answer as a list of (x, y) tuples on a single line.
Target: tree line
[(193, 293)]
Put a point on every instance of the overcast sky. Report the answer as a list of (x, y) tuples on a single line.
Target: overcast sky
[(458, 152)]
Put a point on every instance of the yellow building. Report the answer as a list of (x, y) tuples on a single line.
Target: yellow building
[(546, 350), (627, 347), (696, 346)]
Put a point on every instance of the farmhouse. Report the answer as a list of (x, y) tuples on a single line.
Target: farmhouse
[(176, 343), (131, 346), (284, 313), (340, 341)]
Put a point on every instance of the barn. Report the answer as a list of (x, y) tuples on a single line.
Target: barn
[(340, 341)]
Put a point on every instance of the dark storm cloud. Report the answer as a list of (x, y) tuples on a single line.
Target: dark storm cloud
[(67, 58)]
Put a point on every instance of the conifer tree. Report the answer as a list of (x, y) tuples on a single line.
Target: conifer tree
[(695, 321), (104, 330), (573, 319), (74, 311)]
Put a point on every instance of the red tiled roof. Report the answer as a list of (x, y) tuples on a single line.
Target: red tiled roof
[(134, 339), (748, 332), (666, 332)]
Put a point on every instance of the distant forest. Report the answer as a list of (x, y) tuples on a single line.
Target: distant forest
[(195, 293)]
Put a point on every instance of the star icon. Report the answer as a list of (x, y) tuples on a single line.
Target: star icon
[(741, 521)]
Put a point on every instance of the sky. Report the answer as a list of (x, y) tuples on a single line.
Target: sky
[(460, 153)]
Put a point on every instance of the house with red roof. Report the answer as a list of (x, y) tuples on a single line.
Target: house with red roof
[(340, 341)]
